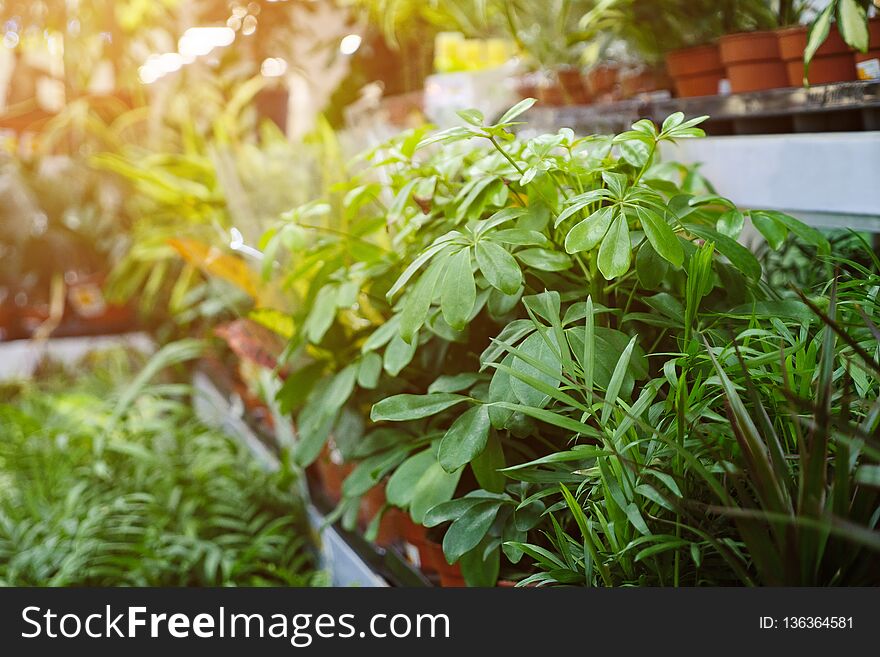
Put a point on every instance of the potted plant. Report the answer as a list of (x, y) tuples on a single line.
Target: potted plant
[(752, 58), (429, 312), (822, 53), (840, 24)]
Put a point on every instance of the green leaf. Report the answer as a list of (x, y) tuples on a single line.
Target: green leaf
[(739, 256), (577, 454), (467, 531), (853, 24), (519, 237), (650, 267), (396, 209), (585, 235), (488, 464), (435, 486), (465, 439), (730, 224), (660, 235), (772, 230), (382, 335), (472, 116), (615, 252), (478, 571), (522, 106), (635, 151), (804, 232), (616, 182), (454, 382), (398, 354), (323, 311), (672, 121), (499, 267), (418, 301), (544, 350), (451, 510), (369, 370), (459, 290), (616, 381), (416, 264), (402, 484), (370, 471), (544, 259), (819, 30), (401, 408)]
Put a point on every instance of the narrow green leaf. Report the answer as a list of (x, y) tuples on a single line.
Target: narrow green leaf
[(401, 408), (459, 291)]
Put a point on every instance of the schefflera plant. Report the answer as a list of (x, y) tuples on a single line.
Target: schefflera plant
[(586, 271)]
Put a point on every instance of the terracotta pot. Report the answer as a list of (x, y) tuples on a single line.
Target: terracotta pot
[(417, 537), (833, 61), (527, 90), (7, 325), (873, 45), (633, 83), (602, 79), (31, 318), (551, 94), (372, 503), (696, 71), (332, 471), (572, 83), (752, 61), (450, 575)]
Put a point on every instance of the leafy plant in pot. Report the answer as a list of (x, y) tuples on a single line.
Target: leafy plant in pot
[(442, 301), (841, 25), (752, 59), (443, 439)]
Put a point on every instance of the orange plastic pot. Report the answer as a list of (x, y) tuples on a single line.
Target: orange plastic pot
[(572, 83), (602, 79), (332, 471), (372, 503), (417, 536), (833, 61), (752, 61), (633, 83), (696, 71), (450, 575)]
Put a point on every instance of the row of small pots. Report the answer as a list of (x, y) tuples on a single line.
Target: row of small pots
[(756, 61), (605, 82)]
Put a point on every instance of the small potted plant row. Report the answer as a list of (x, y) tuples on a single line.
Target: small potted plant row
[(759, 58)]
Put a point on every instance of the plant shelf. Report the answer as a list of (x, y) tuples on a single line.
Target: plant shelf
[(844, 106)]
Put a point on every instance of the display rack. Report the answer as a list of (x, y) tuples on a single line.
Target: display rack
[(845, 106)]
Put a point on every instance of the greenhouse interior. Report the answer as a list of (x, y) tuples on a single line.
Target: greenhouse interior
[(439, 293)]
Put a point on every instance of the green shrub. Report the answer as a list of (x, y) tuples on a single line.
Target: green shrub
[(151, 497), (566, 354)]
